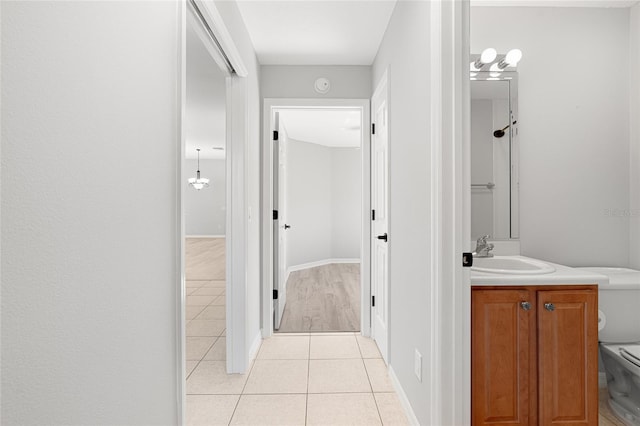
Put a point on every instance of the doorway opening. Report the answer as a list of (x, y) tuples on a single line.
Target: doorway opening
[(204, 204), (317, 194), (212, 83), (317, 251)]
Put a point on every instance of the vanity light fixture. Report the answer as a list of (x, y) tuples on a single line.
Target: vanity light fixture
[(487, 56), (490, 56), (511, 59), (198, 182)]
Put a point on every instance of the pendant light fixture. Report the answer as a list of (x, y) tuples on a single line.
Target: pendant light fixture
[(197, 182)]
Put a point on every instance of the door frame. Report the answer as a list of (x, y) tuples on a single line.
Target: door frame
[(235, 234), (269, 107), (449, 312)]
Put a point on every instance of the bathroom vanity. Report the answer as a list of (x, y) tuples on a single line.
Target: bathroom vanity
[(534, 343)]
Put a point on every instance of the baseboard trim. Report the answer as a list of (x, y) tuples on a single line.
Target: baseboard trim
[(204, 236), (255, 346), (402, 396), (317, 263)]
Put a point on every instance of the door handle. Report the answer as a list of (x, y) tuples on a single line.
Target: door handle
[(287, 226), (382, 237)]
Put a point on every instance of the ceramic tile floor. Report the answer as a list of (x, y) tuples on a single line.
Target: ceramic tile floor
[(296, 379)]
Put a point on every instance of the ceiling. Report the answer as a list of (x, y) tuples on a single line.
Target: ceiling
[(555, 3), (205, 103), (312, 32), (329, 127), (304, 32)]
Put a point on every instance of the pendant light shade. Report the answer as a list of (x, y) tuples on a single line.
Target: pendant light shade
[(198, 182)]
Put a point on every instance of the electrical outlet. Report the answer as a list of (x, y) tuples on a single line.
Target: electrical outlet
[(417, 365)]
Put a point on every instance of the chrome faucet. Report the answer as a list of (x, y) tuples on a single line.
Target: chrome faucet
[(483, 248)]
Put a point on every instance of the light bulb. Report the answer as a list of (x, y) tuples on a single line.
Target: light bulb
[(513, 57), (473, 67), (488, 55)]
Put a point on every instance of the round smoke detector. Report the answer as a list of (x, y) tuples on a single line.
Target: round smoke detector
[(322, 85)]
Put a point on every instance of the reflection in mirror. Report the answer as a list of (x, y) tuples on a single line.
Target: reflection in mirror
[(494, 156)]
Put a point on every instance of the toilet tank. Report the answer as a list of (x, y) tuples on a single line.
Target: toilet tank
[(619, 301)]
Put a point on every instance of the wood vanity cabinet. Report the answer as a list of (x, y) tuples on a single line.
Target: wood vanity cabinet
[(534, 352)]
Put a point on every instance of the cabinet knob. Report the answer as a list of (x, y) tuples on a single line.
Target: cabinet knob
[(549, 307), (525, 305)]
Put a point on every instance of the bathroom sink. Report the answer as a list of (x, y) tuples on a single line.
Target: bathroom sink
[(511, 265)]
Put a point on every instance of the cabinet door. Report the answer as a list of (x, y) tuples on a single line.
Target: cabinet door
[(568, 357), (503, 359)]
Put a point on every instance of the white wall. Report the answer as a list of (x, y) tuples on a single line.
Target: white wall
[(481, 167), (89, 231), (323, 202), (573, 127), (206, 87), (346, 201), (297, 81), (634, 119), (405, 50), (205, 210), (501, 174), (308, 208)]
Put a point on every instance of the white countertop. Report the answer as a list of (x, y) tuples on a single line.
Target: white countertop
[(563, 275)]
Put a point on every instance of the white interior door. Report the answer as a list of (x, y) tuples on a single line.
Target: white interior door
[(380, 219), (279, 224)]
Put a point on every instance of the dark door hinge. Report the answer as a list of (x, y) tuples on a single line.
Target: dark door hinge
[(275, 215), (373, 215), (275, 135), (275, 294), (373, 128), (373, 301), (467, 260)]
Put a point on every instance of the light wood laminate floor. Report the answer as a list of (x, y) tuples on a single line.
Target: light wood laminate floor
[(324, 298)]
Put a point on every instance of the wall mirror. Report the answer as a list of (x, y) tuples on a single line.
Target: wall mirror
[(494, 155)]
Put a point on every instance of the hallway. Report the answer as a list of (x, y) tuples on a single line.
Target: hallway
[(296, 379)]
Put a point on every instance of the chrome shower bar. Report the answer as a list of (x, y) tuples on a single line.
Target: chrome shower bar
[(488, 185)]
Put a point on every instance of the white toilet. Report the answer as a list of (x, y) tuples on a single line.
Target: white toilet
[(619, 335)]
